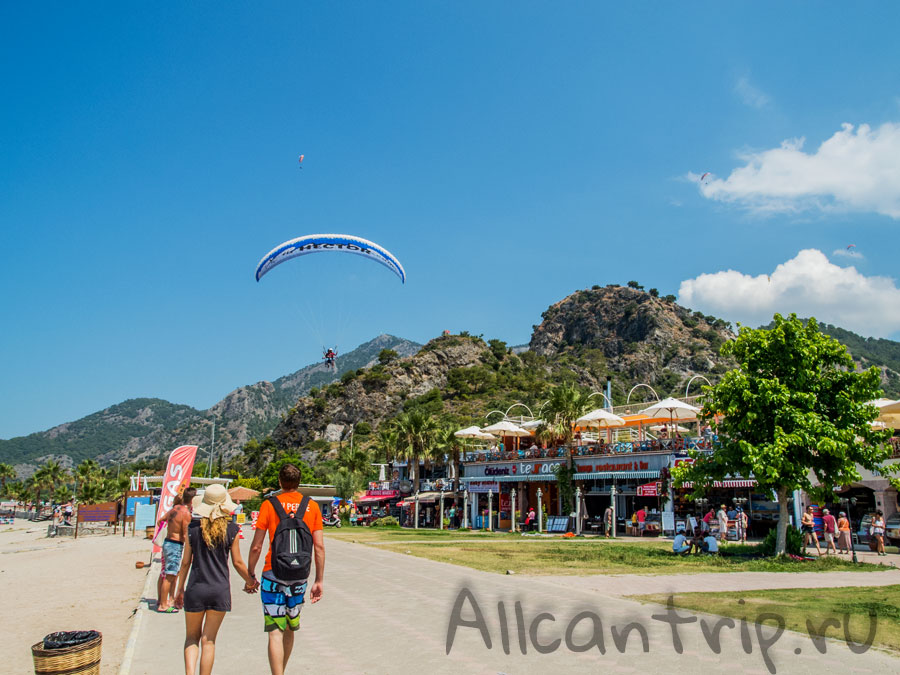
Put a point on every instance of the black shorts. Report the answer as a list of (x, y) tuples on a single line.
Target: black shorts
[(806, 529)]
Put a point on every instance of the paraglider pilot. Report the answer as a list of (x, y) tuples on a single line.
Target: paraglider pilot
[(329, 357)]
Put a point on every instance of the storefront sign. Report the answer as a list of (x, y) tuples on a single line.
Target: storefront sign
[(636, 465), (538, 468), (382, 493)]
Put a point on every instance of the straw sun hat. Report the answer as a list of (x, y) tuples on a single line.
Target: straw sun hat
[(215, 503)]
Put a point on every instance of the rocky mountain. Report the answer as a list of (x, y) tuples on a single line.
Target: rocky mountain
[(378, 393), (145, 428), (642, 337), (626, 333)]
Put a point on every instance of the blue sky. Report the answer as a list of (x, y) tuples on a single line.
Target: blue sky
[(507, 153)]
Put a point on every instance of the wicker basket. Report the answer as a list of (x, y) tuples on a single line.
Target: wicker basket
[(83, 659)]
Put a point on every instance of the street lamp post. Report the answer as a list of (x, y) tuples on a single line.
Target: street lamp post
[(441, 514), (540, 511), (465, 520), (578, 510), (512, 514), (490, 514), (848, 502), (416, 519), (612, 503)]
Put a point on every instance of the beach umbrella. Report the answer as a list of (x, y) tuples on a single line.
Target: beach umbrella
[(533, 424), (673, 409), (600, 419), (506, 428), (473, 432)]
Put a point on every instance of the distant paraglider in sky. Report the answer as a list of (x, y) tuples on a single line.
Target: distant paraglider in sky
[(849, 246), (704, 176), (300, 161), (339, 243)]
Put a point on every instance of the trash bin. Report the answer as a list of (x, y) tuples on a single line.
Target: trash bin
[(75, 652)]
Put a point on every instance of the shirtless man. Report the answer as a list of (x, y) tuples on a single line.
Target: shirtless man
[(177, 522)]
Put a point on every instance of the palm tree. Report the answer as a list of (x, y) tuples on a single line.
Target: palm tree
[(7, 472), (417, 433), (566, 404), (387, 443), (452, 446)]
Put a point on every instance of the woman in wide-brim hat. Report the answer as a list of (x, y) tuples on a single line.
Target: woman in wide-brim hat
[(207, 596)]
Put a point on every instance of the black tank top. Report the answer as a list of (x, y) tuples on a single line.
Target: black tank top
[(209, 567)]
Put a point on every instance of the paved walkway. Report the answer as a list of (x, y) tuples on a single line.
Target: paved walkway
[(385, 612)]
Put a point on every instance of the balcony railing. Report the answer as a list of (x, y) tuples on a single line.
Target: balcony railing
[(603, 449)]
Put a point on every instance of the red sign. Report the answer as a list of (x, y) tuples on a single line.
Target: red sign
[(175, 479), (504, 501), (382, 493)]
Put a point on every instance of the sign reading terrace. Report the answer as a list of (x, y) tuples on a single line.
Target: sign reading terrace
[(546, 467)]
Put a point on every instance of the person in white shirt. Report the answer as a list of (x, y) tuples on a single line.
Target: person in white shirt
[(710, 545), (680, 544)]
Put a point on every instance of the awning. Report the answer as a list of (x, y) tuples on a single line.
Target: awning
[(512, 479), (373, 500), (737, 483), (606, 475)]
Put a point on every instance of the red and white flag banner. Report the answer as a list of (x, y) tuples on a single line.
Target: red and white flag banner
[(176, 478)]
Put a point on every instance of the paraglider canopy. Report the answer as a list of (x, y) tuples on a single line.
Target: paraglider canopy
[(339, 243)]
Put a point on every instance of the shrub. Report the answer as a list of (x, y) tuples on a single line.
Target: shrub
[(348, 377), (387, 521), (654, 292), (794, 542), (385, 356), (319, 405), (362, 429)]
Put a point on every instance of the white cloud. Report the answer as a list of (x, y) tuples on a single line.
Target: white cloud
[(808, 285), (750, 94), (851, 171), (848, 253)]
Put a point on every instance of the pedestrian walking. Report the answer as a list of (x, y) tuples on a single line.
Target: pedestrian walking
[(608, 521), (294, 525), (722, 518), (877, 532), (845, 541), (743, 522), (829, 525), (807, 527), (205, 596)]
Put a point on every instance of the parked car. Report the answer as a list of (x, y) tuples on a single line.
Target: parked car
[(892, 530), (862, 534)]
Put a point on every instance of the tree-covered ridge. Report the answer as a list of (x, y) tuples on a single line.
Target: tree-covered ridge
[(147, 428), (870, 352)]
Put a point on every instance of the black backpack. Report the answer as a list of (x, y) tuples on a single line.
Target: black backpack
[(292, 544)]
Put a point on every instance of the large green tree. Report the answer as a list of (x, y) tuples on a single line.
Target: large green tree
[(793, 415)]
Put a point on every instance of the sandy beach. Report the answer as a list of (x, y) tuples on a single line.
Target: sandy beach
[(62, 584)]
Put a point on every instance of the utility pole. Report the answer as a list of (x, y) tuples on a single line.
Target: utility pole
[(212, 447)]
